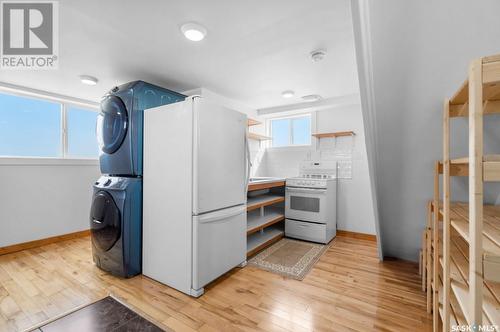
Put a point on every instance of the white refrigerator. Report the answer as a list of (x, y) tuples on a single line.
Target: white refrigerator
[(196, 171)]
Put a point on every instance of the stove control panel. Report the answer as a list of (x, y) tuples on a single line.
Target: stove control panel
[(306, 182)]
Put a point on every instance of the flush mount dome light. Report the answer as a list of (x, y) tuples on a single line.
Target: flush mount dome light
[(288, 94), (311, 98), (193, 31), (89, 80)]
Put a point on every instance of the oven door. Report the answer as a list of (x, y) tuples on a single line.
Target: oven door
[(306, 204)]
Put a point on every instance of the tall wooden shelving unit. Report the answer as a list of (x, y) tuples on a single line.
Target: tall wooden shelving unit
[(467, 242)]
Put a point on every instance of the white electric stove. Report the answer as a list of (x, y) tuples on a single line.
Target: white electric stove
[(311, 202)]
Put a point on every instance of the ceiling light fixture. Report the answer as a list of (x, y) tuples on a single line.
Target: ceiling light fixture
[(89, 80), (193, 31), (288, 94), (318, 55), (311, 98)]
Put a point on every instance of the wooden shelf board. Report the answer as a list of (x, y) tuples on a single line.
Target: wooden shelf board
[(462, 110), (334, 134), (265, 185), (491, 90), (456, 169), (259, 241), (462, 95), (459, 271), (465, 160), (252, 122), (463, 248), (491, 77), (263, 200), (455, 306), (491, 307), (491, 58), (460, 167), (459, 217), (453, 321), (256, 222), (258, 137)]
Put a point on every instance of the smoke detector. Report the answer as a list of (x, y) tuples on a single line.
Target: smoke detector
[(318, 55)]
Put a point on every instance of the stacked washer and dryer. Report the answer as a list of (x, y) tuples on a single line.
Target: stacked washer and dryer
[(116, 211)]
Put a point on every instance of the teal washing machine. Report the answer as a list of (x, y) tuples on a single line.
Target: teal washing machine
[(116, 225)]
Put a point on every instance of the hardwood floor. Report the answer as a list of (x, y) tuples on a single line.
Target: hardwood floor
[(347, 290)]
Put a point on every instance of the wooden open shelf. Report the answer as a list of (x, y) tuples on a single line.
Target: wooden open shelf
[(258, 137), (459, 274), (335, 134), (261, 240), (256, 202), (265, 214), (459, 103), (453, 316), (459, 264), (265, 185), (456, 316), (252, 122), (460, 167), (257, 222), (459, 216)]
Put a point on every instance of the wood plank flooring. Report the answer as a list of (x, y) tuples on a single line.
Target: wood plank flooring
[(347, 290)]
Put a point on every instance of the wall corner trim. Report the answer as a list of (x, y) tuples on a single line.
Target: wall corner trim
[(360, 11)]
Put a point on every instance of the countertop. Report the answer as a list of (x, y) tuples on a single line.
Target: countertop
[(256, 180)]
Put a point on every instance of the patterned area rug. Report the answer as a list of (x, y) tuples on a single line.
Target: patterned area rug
[(289, 258)]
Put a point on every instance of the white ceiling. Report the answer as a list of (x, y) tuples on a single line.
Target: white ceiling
[(253, 51)]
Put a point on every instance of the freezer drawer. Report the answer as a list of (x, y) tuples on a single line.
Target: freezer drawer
[(219, 243), (306, 231)]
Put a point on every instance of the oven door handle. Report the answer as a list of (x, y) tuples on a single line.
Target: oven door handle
[(306, 190)]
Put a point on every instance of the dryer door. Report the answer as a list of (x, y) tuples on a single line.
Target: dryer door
[(105, 223), (112, 124)]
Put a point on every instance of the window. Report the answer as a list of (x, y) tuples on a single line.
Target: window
[(29, 127), (81, 132), (291, 131), (32, 127)]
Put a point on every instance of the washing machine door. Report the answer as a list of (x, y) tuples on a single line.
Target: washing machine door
[(105, 223), (112, 124)]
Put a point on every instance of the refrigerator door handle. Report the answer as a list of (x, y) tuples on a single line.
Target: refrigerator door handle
[(248, 163), (221, 214)]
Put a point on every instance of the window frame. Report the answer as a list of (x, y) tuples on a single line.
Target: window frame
[(64, 104), (290, 130)]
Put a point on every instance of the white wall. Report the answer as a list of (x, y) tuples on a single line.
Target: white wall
[(421, 52), (355, 206), (44, 198)]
